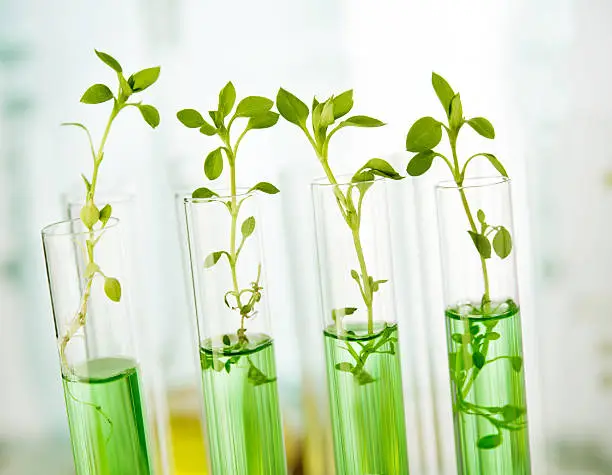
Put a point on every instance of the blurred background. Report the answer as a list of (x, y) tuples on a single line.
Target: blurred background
[(538, 70)]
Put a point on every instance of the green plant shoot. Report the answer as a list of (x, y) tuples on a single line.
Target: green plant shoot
[(325, 122), (256, 110), (93, 217)]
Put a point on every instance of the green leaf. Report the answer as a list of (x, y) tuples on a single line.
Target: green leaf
[(490, 441), (502, 243), (257, 378), (97, 94), (203, 193), (253, 106), (345, 366), (362, 176), (343, 104), (517, 363), (217, 118), (87, 184), (512, 413), (483, 127), (226, 340), (457, 338), (263, 121), (493, 336), (478, 359), (354, 275), (248, 226), (327, 113), (105, 214), (191, 118), (380, 167), (496, 164), (315, 103), (291, 108), (363, 377), (126, 89), (149, 114), (213, 258), (456, 112), (424, 135), (143, 79), (112, 289), (90, 215), (482, 244), (443, 90), (265, 187), (208, 129), (361, 121), (420, 163), (213, 165), (109, 61), (481, 216), (339, 313), (91, 270), (227, 99)]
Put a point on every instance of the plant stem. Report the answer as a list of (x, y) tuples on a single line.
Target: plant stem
[(354, 225), (459, 180)]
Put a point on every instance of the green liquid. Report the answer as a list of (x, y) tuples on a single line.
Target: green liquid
[(366, 403), (488, 389), (106, 418), (243, 419)]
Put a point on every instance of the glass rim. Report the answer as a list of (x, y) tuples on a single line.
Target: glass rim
[(241, 192), (54, 229), (475, 182), (323, 182)]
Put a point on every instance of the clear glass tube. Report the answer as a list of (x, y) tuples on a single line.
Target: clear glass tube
[(483, 326), (149, 348), (242, 412), (100, 368), (360, 328)]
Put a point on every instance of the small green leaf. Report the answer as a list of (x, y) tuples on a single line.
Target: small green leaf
[(512, 413), (213, 258), (291, 108), (478, 359), (126, 89), (227, 99), (257, 378), (217, 118), (203, 193), (191, 118), (208, 129), (363, 176), (457, 338), (112, 289), (502, 243), (343, 104), (263, 121), (481, 216), (493, 336), (339, 313), (226, 340), (143, 79), (420, 163), (97, 94), (149, 114), (253, 106), (315, 103), (105, 214), (443, 90), (424, 135), (490, 441), (363, 377), (361, 121), (483, 127), (496, 163), (248, 226), (90, 215), (87, 184), (345, 367), (327, 113), (517, 363), (354, 275), (109, 60), (91, 270), (482, 244), (456, 112), (380, 167), (265, 187), (228, 366), (213, 165)]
